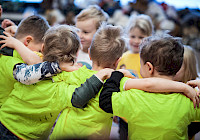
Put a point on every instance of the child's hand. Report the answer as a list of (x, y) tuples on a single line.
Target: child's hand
[(126, 73), (68, 67), (6, 23), (11, 30), (194, 83), (104, 73), (9, 41), (193, 95)]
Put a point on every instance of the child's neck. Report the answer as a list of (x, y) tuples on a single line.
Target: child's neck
[(96, 67), (163, 76)]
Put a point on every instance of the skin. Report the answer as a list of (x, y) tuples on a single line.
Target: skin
[(86, 33), (136, 36)]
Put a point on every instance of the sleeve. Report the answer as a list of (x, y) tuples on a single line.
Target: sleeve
[(110, 86), (87, 91), (7, 51), (30, 74)]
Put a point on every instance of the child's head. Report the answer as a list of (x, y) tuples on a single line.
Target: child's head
[(107, 46), (88, 21), (161, 55), (138, 27), (61, 44), (31, 31), (188, 69)]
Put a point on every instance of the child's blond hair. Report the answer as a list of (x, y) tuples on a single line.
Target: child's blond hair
[(61, 44), (143, 22), (189, 65), (107, 45), (93, 12)]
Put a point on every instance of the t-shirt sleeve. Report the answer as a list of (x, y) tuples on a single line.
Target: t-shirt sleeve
[(120, 104), (10, 63), (123, 82), (65, 91)]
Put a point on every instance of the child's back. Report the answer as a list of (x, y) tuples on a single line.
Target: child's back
[(152, 115), (31, 110), (30, 33), (91, 122)]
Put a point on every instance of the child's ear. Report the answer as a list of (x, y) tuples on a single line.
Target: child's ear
[(150, 68), (42, 49), (117, 62), (27, 40)]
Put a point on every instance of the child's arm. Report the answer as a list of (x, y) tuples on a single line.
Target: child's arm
[(111, 85), (90, 88), (27, 55), (162, 85), (30, 74)]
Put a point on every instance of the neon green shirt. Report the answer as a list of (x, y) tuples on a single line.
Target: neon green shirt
[(155, 116), (89, 122), (6, 75), (31, 110)]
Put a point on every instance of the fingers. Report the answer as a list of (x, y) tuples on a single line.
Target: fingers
[(7, 34), (197, 101), (3, 37), (4, 45)]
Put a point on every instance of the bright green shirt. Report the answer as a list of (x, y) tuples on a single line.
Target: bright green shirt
[(89, 122), (31, 110), (155, 116), (7, 81)]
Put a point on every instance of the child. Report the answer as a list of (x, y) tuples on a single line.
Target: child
[(138, 28), (91, 122), (84, 123), (152, 116), (30, 111), (88, 21), (188, 72), (30, 33)]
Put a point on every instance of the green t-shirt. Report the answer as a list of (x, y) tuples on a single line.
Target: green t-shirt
[(153, 115), (89, 122), (6, 75), (31, 110)]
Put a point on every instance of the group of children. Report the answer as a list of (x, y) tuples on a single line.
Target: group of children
[(36, 91)]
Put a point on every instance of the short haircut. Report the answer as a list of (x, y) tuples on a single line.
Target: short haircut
[(93, 12), (189, 64), (143, 22), (108, 45), (35, 26), (164, 52), (61, 44)]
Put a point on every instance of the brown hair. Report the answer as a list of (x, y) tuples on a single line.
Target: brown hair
[(34, 25), (107, 45), (189, 65), (93, 12), (61, 44), (164, 52)]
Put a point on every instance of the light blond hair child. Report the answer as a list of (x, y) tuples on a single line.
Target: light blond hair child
[(139, 27), (188, 70), (88, 21)]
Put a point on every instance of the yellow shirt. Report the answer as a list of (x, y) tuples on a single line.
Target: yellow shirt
[(131, 62)]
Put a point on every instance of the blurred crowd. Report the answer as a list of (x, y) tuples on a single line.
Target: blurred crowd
[(183, 23)]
